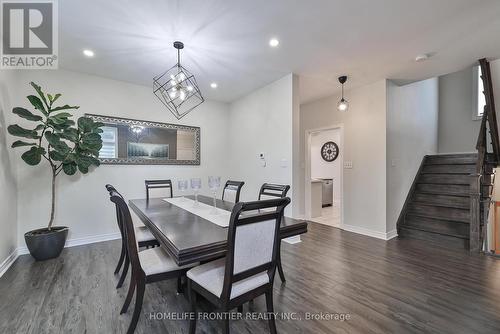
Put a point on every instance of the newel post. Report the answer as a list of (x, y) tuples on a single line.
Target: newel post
[(475, 213)]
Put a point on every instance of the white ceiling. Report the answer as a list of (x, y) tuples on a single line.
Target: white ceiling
[(227, 40)]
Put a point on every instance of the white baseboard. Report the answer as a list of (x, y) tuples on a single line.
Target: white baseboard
[(5, 265), (69, 243), (370, 233), (293, 240)]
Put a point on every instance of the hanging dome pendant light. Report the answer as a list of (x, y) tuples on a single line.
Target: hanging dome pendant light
[(177, 88), (343, 104)]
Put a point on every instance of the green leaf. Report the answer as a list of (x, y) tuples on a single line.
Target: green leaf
[(65, 107), (85, 161), (33, 156), (70, 134), (69, 168), (57, 156), (26, 114), (54, 140), (40, 93), (54, 99), (85, 124), (37, 103), (18, 131), (20, 143)]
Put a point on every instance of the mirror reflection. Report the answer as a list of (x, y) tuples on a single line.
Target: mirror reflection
[(127, 141)]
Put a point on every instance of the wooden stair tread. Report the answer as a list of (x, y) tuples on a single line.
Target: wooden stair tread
[(441, 213), (439, 239), (450, 201), (444, 227)]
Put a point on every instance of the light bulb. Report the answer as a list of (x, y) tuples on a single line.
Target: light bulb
[(343, 105), (181, 76), (172, 94), (182, 95), (190, 88)]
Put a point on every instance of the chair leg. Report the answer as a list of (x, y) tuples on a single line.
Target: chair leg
[(270, 310), (280, 268), (124, 272), (141, 286), (225, 325), (130, 294), (192, 301), (120, 261), (179, 285)]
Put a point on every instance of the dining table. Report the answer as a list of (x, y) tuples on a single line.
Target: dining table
[(190, 238)]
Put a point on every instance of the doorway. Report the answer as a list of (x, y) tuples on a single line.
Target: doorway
[(324, 175)]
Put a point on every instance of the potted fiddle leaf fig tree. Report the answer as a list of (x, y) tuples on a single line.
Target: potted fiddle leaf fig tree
[(62, 145)]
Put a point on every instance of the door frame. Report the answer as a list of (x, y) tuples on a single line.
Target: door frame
[(307, 179)]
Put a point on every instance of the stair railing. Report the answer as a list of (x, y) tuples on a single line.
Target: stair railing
[(478, 217)]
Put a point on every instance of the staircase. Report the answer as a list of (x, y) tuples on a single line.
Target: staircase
[(438, 206), (449, 200)]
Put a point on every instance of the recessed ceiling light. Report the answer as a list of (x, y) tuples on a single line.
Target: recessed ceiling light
[(88, 53), (213, 85), (273, 42)]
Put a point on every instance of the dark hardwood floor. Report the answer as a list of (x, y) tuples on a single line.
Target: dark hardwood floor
[(400, 286)]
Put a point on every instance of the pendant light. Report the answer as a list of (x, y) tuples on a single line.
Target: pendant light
[(343, 104), (177, 88)]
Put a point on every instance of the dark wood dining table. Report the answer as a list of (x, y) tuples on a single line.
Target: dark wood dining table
[(189, 238)]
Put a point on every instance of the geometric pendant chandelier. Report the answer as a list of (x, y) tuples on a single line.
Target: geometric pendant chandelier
[(177, 88)]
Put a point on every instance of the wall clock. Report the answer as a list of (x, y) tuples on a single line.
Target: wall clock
[(329, 151)]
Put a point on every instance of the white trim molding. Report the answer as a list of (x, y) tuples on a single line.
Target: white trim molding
[(5, 265), (370, 233), (69, 243)]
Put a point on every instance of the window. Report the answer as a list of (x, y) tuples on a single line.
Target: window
[(109, 148), (480, 100)]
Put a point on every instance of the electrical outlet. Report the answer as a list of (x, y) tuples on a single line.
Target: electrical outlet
[(348, 164)]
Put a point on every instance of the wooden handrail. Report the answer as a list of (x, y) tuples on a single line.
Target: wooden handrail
[(489, 121)]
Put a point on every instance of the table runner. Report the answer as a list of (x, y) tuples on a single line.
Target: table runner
[(202, 210)]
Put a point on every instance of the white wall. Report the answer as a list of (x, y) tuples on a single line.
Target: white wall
[(458, 130), (8, 187), (263, 122), (321, 169), (83, 203), (412, 132), (364, 198)]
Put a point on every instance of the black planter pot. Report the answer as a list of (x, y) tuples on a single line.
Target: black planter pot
[(45, 244)]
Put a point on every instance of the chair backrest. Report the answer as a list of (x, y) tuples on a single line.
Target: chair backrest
[(253, 238), (158, 188), (111, 190), (270, 190), (231, 191), (128, 229)]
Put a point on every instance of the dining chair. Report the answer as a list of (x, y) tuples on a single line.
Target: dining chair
[(248, 269), (159, 188), (271, 190), (148, 266), (231, 191), (144, 239)]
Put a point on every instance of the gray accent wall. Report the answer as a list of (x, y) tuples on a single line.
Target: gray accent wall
[(458, 130)]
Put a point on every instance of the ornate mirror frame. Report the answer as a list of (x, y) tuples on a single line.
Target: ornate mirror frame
[(149, 124)]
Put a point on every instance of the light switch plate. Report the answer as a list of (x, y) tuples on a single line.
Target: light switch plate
[(348, 164)]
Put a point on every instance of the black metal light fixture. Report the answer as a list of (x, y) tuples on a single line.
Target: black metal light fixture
[(177, 88), (343, 104)]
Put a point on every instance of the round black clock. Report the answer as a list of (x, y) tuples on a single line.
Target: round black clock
[(329, 151)]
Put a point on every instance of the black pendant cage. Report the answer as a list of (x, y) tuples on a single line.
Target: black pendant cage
[(177, 88)]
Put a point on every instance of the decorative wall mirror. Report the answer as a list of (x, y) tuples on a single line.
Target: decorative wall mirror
[(135, 142)]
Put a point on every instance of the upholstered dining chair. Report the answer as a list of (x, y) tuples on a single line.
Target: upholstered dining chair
[(159, 188), (272, 190), (231, 191), (248, 269), (144, 239), (148, 266)]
